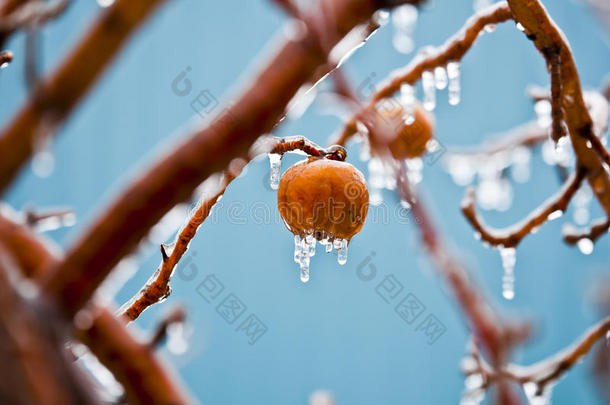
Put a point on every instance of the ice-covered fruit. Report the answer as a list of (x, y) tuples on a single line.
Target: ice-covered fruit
[(324, 198)]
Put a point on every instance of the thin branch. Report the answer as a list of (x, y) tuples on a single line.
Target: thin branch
[(158, 286), (452, 51), (511, 236), (210, 150), (597, 229), (57, 95)]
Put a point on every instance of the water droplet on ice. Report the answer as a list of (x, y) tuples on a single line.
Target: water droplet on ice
[(555, 214), (105, 3), (543, 113), (275, 161), (520, 27), (585, 245)]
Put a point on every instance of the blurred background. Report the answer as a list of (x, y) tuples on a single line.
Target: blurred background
[(338, 332)]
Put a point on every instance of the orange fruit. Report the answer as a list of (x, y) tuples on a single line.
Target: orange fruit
[(324, 198), (407, 141)]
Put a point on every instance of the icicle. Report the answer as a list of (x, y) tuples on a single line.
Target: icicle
[(509, 259), (342, 253), (585, 245), (304, 260), (329, 246), (297, 248), (404, 19), (440, 77), (543, 113), (275, 161), (414, 170), (381, 17), (537, 398), (407, 99), (460, 169), (520, 169), (311, 243), (177, 338), (427, 79), (453, 74)]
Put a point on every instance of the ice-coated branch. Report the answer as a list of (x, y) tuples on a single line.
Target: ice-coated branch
[(256, 111), (132, 362), (56, 95), (511, 236), (597, 229), (453, 50), (537, 378), (158, 287), (552, 44)]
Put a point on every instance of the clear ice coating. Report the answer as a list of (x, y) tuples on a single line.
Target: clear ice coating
[(440, 77), (275, 161), (404, 19), (453, 74), (509, 259), (305, 248), (407, 100), (429, 87)]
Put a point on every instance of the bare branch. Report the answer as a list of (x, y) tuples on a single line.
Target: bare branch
[(511, 236), (596, 230)]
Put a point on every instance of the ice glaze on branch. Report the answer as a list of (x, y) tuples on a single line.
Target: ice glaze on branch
[(511, 236), (551, 43), (596, 230), (57, 94), (452, 51)]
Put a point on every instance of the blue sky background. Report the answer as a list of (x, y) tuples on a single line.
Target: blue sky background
[(335, 332)]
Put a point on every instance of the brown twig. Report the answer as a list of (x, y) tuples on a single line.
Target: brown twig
[(209, 150), (57, 95), (452, 51), (511, 236)]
